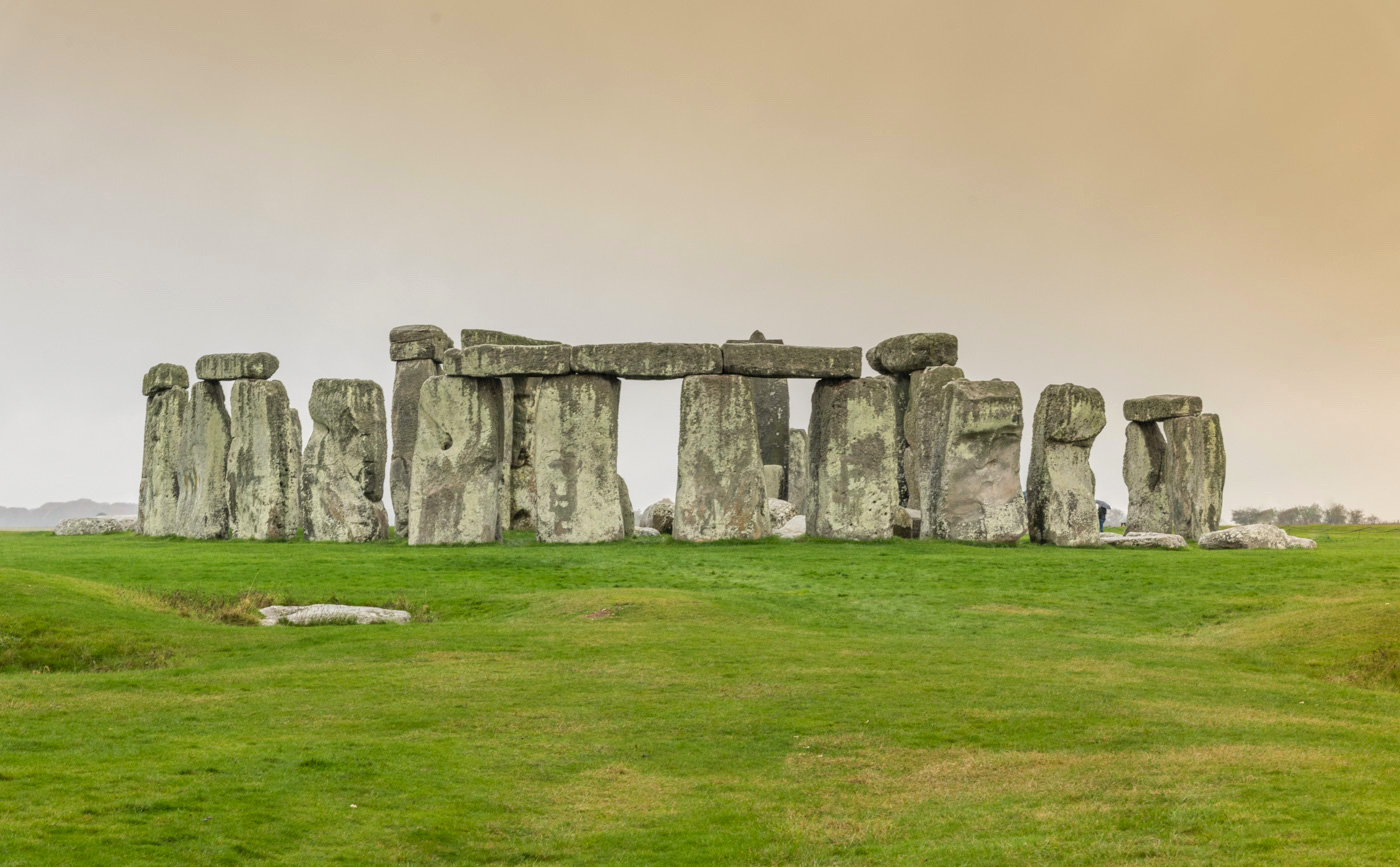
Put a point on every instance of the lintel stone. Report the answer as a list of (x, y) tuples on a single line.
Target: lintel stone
[(910, 352), (494, 360), (1160, 407), (236, 365), (418, 342), (781, 361), (477, 336), (648, 360), (164, 377)]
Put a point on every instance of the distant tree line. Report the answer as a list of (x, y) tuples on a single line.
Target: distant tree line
[(1314, 514)]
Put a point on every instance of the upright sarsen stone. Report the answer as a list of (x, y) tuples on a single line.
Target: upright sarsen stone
[(1144, 474), (1060, 485), (409, 377), (923, 418), (855, 486), (1194, 473), (798, 470), (457, 461), (262, 470), (575, 454), (203, 506), (720, 491), (974, 489), (520, 436), (167, 402), (342, 488), (772, 405)]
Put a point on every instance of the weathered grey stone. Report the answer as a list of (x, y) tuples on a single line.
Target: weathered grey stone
[(1298, 542), (95, 526), (901, 408), (922, 420), (164, 376), (854, 467), (1247, 536), (477, 336), (659, 516), (1143, 540), (312, 615), (772, 481), (910, 467), (645, 531), (576, 493), (910, 352), (236, 365), (907, 523), (629, 520), (975, 486), (772, 406), (263, 481), (720, 490), (418, 343), (522, 463), (487, 359), (793, 529), (780, 512), (292, 447), (1060, 484), (158, 503), (1144, 466), (1194, 474), (203, 463), (1160, 407), (409, 377), (792, 362), (507, 485), (457, 460), (342, 492), (798, 482), (647, 360)]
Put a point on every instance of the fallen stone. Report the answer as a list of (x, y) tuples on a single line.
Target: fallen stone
[(576, 491), (1194, 473), (1160, 407), (95, 526), (456, 494), (1299, 542), (629, 519), (487, 359), (720, 490), (202, 511), (409, 377), (158, 502), (647, 360), (854, 487), (780, 512), (907, 523), (792, 362), (263, 477), (659, 516), (1060, 503), (974, 489), (797, 473), (910, 352), (923, 418), (772, 481), (342, 491), (477, 336), (1247, 536), (313, 615), (236, 365), (1144, 466), (163, 377), (793, 529), (1142, 540), (418, 343), (645, 531)]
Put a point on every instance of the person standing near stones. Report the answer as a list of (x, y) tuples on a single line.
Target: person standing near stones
[(1103, 513)]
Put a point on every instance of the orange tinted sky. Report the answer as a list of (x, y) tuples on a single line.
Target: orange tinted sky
[(1142, 197)]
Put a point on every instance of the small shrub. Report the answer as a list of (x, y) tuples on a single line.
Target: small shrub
[(240, 610)]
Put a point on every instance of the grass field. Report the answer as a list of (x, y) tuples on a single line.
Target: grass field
[(651, 702)]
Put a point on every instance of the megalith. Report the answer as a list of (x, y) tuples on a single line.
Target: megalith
[(798, 472), (854, 465), (720, 492), (263, 474), (1195, 473), (772, 406), (167, 402), (203, 506), (342, 485), (923, 418), (900, 358), (629, 518), (1144, 474), (974, 489), (520, 514), (417, 351), (575, 458), (1060, 504), (457, 462)]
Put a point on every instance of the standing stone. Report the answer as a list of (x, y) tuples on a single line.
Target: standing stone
[(798, 471), (457, 462), (262, 474), (854, 464), (521, 512), (720, 492), (772, 481), (660, 516), (342, 490), (575, 455), (629, 520), (418, 351), (1195, 473), (772, 405), (203, 507), (910, 469), (1060, 484), (167, 403), (1144, 473), (292, 445), (974, 489), (922, 421)]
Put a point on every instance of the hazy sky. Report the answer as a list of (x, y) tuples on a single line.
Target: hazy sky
[(1144, 197)]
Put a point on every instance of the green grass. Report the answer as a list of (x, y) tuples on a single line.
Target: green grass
[(659, 703)]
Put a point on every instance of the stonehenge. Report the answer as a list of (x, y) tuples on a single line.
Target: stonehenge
[(507, 432), (1060, 504), (1174, 466)]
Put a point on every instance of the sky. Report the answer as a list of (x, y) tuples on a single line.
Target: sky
[(1143, 197)]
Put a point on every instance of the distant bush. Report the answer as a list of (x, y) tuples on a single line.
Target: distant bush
[(1296, 515)]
